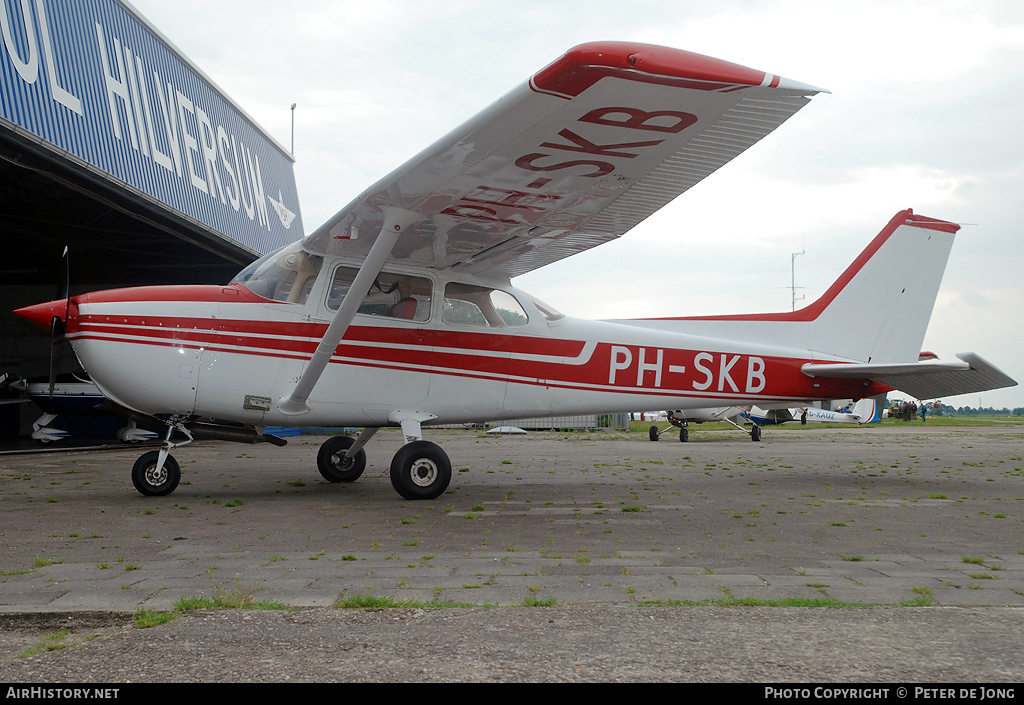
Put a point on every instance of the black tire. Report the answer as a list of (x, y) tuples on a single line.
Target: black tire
[(331, 463), (421, 470), (653, 433), (152, 483), (684, 435), (755, 433)]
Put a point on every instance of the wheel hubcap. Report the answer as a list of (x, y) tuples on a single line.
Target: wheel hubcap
[(423, 472), (156, 477)]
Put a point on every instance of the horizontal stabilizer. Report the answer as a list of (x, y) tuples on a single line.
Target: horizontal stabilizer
[(922, 380)]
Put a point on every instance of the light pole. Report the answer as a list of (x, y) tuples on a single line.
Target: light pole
[(293, 128)]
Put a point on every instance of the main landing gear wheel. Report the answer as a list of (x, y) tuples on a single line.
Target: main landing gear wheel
[(152, 482), (755, 433), (684, 435), (421, 470), (653, 433), (333, 465)]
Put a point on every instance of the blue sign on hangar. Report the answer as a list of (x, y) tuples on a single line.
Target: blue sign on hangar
[(93, 83)]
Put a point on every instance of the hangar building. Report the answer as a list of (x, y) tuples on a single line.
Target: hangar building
[(114, 145)]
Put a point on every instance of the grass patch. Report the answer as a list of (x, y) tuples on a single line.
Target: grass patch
[(759, 602), (920, 601), (144, 619), (532, 600), (239, 597), (387, 602), (52, 642), (923, 599)]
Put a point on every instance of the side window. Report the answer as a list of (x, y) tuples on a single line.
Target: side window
[(550, 314), (390, 295), (469, 305)]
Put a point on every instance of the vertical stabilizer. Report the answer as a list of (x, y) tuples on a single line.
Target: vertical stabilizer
[(878, 310), (866, 410)]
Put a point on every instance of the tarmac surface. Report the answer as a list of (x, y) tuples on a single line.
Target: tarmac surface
[(555, 556)]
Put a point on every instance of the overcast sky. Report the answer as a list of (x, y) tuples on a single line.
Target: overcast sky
[(923, 113)]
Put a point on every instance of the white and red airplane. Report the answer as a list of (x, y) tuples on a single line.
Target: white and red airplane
[(399, 310)]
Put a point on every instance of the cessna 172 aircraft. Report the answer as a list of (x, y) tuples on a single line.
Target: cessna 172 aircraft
[(399, 310)]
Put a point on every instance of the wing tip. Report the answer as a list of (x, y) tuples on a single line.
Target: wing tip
[(585, 64)]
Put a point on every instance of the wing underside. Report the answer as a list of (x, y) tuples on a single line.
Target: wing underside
[(586, 149)]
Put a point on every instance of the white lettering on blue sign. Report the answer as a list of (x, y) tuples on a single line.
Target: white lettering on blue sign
[(130, 102)]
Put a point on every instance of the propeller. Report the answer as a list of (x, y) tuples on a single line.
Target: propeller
[(58, 325)]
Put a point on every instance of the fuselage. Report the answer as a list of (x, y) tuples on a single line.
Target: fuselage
[(231, 354)]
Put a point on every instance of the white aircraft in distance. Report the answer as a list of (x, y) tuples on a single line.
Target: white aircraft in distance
[(399, 310), (863, 411)]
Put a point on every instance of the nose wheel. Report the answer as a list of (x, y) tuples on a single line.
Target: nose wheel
[(154, 478), (157, 473)]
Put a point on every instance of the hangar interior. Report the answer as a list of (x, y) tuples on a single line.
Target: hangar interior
[(114, 239), (103, 122)]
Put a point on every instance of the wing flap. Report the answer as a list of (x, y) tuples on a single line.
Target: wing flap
[(586, 149), (923, 380)]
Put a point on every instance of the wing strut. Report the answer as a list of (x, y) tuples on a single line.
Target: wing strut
[(396, 220)]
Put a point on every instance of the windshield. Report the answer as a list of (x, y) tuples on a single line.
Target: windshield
[(285, 275)]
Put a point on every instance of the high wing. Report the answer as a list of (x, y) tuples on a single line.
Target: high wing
[(578, 155), (922, 380), (587, 148)]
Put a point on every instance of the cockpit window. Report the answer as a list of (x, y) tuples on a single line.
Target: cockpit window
[(391, 295), (469, 305), (285, 275)]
